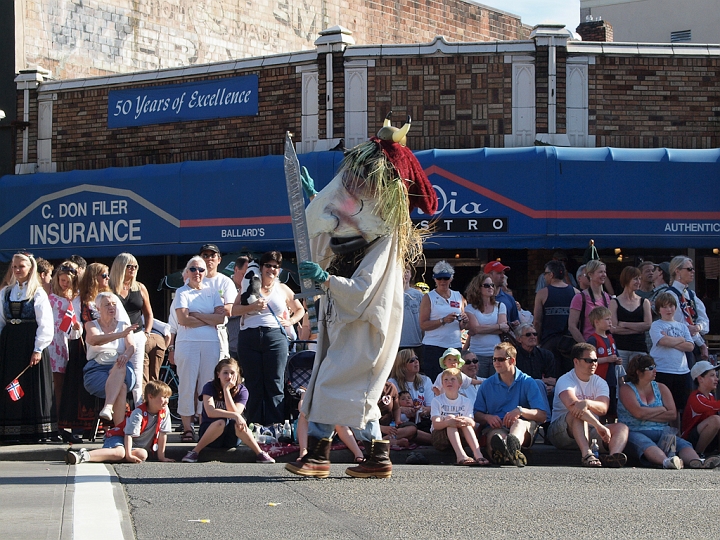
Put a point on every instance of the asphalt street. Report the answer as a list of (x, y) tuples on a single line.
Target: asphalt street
[(265, 502)]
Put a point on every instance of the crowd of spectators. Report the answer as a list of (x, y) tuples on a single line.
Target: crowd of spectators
[(605, 374)]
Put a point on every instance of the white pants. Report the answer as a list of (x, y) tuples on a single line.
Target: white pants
[(138, 363), (224, 342), (195, 361)]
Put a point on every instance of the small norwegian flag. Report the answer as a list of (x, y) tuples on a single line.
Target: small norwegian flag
[(68, 319), (15, 390)]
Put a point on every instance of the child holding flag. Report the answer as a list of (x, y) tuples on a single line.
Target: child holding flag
[(64, 286)]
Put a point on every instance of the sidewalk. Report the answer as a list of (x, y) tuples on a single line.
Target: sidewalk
[(539, 455), (51, 500)]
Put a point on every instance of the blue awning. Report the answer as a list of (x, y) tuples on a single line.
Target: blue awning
[(525, 198)]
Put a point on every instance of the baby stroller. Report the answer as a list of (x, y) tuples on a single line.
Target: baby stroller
[(297, 377)]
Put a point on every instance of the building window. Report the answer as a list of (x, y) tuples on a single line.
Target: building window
[(680, 36)]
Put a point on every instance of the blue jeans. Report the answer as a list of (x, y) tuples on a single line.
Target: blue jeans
[(263, 353), (641, 440), (322, 431)]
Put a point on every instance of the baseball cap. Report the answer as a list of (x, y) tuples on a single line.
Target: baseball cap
[(701, 367), (452, 352), (209, 247), (495, 266), (664, 266)]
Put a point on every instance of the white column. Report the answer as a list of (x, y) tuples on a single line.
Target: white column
[(356, 103), (523, 101), (309, 108)]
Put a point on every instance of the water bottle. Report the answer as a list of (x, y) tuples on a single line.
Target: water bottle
[(294, 431), (287, 430), (595, 449)]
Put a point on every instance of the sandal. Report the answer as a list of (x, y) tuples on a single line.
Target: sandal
[(188, 436), (481, 462), (696, 464), (467, 462), (590, 461), (359, 460), (614, 461)]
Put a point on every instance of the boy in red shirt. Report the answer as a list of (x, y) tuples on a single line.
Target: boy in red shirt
[(701, 423)]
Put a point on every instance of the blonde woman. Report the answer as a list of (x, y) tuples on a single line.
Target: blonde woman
[(134, 297), (26, 330), (406, 377)]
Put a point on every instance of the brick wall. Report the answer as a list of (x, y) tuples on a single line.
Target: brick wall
[(82, 140), (81, 38), (454, 102), (595, 31), (646, 102)]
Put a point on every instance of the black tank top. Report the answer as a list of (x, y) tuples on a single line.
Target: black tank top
[(631, 342), (556, 311), (133, 305)]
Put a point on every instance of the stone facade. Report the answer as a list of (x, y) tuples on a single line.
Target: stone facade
[(81, 38)]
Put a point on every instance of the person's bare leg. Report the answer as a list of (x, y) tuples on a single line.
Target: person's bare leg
[(708, 429), (302, 434), (456, 443), (654, 455), (246, 437), (119, 405), (346, 436), (578, 431), (101, 455), (213, 431), (187, 423), (471, 440), (619, 437)]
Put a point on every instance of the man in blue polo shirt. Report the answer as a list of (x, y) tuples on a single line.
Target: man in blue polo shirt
[(509, 406)]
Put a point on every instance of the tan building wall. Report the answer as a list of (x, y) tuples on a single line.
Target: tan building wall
[(653, 21), (80, 38)]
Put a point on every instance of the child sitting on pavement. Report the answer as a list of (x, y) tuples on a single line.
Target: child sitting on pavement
[(452, 421), (144, 431), (452, 358), (222, 424)]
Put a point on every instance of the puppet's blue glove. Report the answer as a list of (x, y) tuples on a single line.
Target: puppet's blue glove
[(311, 270), (308, 184)]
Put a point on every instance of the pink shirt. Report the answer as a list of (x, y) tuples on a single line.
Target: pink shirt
[(587, 329)]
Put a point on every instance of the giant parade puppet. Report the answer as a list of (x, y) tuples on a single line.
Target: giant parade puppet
[(361, 238)]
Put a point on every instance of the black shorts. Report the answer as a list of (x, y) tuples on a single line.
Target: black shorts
[(228, 439), (693, 437)]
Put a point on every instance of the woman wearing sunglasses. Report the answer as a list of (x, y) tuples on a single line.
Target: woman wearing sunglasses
[(263, 342), (646, 407), (199, 309), (442, 311), (486, 320), (135, 300)]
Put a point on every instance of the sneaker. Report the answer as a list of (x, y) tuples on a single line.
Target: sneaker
[(106, 413), (712, 462), (264, 457), (500, 454), (75, 457), (514, 449), (191, 457), (673, 463)]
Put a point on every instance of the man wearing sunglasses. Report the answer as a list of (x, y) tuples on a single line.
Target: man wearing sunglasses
[(581, 397), (537, 362), (224, 286), (510, 406)]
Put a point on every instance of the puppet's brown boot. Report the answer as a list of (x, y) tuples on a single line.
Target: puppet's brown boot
[(377, 465), (316, 462)]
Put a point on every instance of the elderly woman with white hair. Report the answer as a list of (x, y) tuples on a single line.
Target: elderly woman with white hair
[(442, 312), (108, 373), (199, 309), (26, 330)]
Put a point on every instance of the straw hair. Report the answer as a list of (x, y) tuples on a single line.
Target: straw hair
[(366, 168)]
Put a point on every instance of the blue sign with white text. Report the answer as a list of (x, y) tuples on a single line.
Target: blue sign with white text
[(218, 98)]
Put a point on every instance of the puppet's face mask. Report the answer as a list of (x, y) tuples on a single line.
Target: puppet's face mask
[(346, 209)]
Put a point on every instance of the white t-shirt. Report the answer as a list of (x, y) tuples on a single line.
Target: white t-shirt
[(444, 406), (484, 344), (595, 388), (224, 286), (669, 359), (422, 395), (471, 391), (203, 300)]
